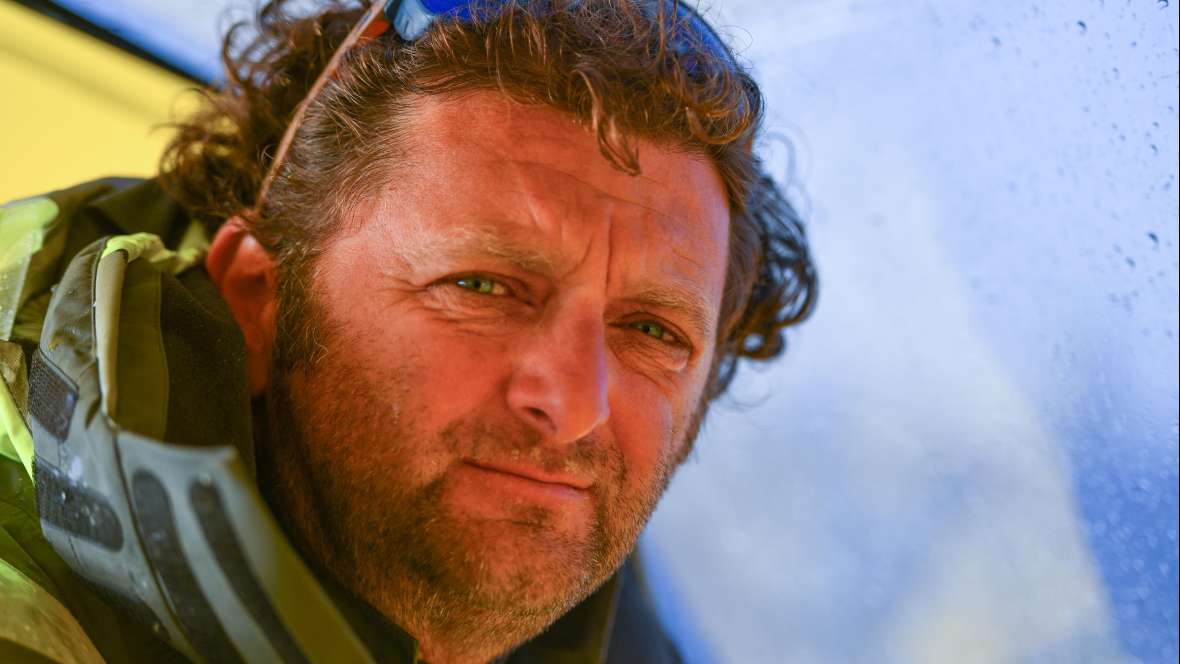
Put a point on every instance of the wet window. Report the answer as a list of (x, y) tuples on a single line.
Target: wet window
[(971, 450)]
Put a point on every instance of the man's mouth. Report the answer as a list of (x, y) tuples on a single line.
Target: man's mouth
[(530, 479)]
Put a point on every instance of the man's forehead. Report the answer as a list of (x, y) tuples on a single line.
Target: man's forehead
[(488, 130), (493, 121)]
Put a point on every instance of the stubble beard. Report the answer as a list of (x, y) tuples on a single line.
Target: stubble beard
[(332, 472)]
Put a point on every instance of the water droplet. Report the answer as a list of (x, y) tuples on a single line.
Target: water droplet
[(1131, 262), (1082, 27), (1155, 240), (996, 41), (1162, 4), (1154, 149)]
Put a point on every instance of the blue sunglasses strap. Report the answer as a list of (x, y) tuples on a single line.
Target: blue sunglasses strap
[(411, 19)]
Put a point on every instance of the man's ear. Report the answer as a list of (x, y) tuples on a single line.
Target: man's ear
[(246, 276)]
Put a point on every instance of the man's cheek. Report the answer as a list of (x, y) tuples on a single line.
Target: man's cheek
[(648, 431), (466, 360), (448, 375)]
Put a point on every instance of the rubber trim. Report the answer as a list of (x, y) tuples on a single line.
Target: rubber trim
[(219, 533), (80, 511), (162, 546), (52, 397)]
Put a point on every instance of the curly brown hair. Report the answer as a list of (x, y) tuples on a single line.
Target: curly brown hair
[(606, 62)]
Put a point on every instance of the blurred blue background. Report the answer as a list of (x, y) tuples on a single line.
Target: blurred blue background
[(969, 454)]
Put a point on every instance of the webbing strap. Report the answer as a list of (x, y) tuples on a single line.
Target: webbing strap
[(150, 247)]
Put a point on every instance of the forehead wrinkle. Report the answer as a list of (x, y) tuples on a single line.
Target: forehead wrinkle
[(685, 257), (598, 191)]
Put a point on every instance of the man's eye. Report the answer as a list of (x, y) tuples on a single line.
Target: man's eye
[(656, 331), (481, 285)]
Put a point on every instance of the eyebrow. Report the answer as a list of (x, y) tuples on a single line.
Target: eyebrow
[(491, 242), (525, 258)]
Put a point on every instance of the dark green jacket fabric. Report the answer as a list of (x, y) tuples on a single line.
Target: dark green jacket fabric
[(208, 403)]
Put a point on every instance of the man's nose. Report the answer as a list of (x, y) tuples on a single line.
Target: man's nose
[(560, 385)]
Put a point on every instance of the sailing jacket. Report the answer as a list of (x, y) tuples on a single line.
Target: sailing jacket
[(131, 527)]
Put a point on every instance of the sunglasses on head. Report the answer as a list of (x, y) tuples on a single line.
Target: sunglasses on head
[(412, 18)]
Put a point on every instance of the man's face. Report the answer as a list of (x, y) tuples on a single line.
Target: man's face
[(514, 339)]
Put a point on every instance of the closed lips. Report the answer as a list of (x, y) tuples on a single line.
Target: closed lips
[(534, 474)]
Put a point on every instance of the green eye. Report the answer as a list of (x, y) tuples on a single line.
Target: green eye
[(655, 331), (481, 285)]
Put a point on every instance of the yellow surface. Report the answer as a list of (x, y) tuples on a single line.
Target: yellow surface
[(73, 108)]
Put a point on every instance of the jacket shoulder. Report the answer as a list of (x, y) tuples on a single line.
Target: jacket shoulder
[(72, 198), (67, 221), (114, 206)]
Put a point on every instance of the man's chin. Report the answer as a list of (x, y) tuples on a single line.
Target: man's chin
[(521, 563), (498, 559)]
